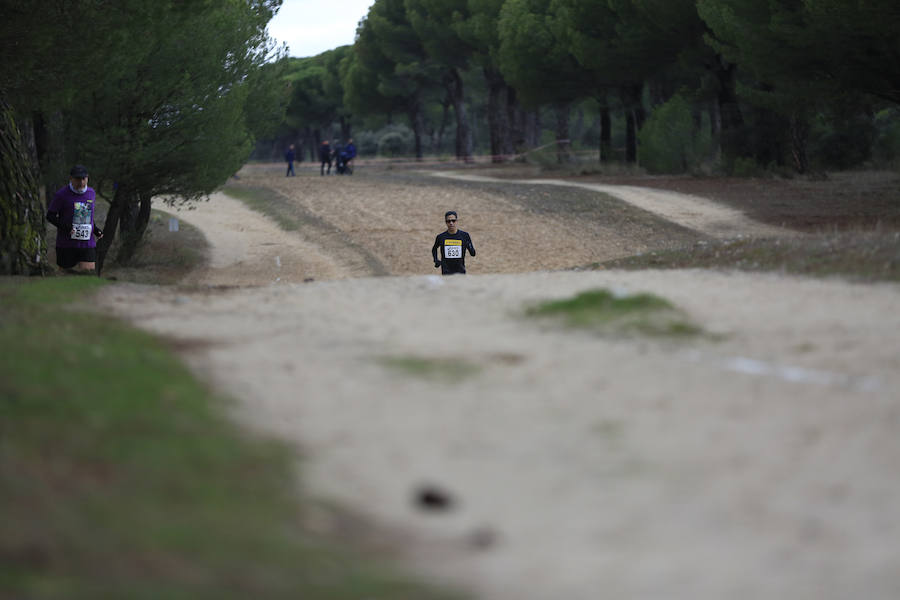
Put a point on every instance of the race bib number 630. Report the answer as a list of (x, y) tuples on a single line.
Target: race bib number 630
[(452, 248)]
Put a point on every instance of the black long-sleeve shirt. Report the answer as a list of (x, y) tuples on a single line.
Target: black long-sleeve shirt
[(452, 247)]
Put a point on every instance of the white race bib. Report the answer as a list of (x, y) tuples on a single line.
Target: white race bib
[(81, 232), (452, 248)]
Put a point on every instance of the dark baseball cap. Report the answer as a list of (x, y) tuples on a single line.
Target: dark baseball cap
[(79, 171)]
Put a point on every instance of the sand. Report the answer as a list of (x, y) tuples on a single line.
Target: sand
[(754, 461)]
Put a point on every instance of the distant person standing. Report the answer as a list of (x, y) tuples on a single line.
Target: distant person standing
[(449, 249), (72, 212), (289, 157), (325, 157)]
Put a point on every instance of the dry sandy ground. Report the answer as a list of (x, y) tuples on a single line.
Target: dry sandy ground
[(687, 210), (758, 461)]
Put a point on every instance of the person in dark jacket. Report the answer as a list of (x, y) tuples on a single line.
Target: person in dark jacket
[(348, 154), (289, 157), (72, 212), (449, 249), (325, 157)]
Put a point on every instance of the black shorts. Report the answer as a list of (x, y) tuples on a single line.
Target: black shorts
[(69, 257)]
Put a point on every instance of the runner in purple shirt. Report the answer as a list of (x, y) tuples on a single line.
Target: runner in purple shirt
[(72, 212)]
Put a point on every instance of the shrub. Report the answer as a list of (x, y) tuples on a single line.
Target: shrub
[(745, 167), (391, 144), (668, 142), (367, 143), (887, 141), (395, 140), (842, 142)]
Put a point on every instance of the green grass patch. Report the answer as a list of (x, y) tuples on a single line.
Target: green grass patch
[(603, 310), (262, 201), (429, 368), (120, 476), (859, 256)]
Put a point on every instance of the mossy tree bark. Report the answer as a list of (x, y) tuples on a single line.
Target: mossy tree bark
[(23, 249)]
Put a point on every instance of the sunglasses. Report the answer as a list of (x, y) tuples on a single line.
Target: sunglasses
[(451, 221)]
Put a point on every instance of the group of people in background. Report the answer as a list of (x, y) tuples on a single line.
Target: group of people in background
[(72, 212), (340, 156)]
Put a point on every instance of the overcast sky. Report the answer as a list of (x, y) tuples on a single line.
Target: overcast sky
[(310, 27)]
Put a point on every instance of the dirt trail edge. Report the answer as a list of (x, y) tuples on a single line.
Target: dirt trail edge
[(756, 461), (688, 210), (247, 248)]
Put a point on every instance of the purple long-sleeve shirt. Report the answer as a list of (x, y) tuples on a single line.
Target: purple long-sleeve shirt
[(73, 211)]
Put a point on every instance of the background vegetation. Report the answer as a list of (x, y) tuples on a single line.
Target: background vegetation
[(680, 86), (174, 95), (159, 99)]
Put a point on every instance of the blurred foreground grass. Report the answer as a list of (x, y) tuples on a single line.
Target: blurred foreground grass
[(120, 476)]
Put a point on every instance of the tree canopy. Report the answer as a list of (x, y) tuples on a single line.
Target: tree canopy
[(745, 69), (153, 96), (168, 97)]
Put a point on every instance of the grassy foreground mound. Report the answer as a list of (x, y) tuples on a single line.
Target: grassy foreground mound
[(607, 311), (121, 478)]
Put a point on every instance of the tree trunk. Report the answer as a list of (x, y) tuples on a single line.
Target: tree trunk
[(456, 91), (312, 144), (605, 134), (525, 125), (635, 115), (730, 117), (715, 130), (23, 250), (498, 118), (132, 225), (445, 116), (640, 113), (630, 137), (121, 200), (417, 118), (577, 130), (346, 129), (563, 143), (516, 119), (533, 128), (799, 137)]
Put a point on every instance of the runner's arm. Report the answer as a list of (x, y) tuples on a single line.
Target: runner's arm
[(470, 245), (54, 218), (434, 249)]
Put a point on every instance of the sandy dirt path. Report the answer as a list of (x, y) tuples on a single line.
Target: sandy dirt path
[(244, 243), (756, 461), (687, 210)]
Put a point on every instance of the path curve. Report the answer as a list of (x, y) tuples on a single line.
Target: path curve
[(248, 248), (693, 212)]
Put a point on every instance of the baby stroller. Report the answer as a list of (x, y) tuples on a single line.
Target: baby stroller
[(342, 163)]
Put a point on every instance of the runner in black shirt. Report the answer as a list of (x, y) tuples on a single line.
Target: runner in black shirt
[(452, 244)]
